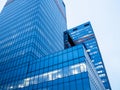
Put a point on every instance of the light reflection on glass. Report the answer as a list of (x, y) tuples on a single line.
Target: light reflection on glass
[(99, 66), (101, 75), (53, 75), (11, 87)]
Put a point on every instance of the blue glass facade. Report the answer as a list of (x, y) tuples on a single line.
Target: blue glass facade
[(69, 69), (31, 29), (84, 34)]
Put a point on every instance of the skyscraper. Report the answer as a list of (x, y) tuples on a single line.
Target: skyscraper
[(31, 27), (83, 34), (69, 69)]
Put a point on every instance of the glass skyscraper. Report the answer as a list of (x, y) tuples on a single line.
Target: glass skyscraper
[(31, 49), (69, 69), (31, 28), (83, 34)]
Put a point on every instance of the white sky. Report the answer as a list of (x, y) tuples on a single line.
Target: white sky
[(2, 3), (105, 19)]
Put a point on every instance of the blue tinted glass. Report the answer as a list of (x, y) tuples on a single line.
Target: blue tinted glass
[(60, 87), (66, 86), (83, 36), (79, 85), (70, 56), (86, 84), (55, 60), (72, 85), (75, 54), (65, 57), (60, 59)]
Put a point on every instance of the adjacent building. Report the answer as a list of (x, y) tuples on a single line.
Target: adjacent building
[(69, 69), (83, 34)]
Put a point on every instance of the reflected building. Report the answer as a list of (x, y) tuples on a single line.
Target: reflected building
[(83, 34), (69, 69)]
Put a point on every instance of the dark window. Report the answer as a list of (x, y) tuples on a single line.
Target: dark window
[(74, 29), (86, 25)]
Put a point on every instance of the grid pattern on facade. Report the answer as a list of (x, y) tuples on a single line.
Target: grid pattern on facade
[(67, 67), (27, 28), (84, 34)]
